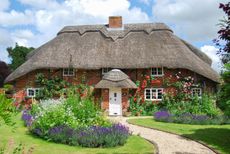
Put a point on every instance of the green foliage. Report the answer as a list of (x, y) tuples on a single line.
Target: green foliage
[(224, 95), (74, 112), (6, 110), (137, 107), (195, 105), (18, 55), (50, 87)]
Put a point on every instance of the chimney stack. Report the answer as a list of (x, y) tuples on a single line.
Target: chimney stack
[(115, 22)]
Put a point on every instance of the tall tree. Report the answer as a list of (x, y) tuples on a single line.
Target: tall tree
[(18, 55), (223, 40), (4, 72)]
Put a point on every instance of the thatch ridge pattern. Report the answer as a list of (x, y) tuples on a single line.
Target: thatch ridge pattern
[(116, 34)]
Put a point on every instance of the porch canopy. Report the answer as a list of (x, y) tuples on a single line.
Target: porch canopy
[(116, 79)]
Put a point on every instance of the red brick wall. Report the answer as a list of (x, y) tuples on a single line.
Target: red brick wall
[(105, 99), (92, 77)]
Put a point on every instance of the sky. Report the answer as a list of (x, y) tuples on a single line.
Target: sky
[(32, 23)]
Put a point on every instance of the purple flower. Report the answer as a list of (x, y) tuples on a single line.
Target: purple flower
[(28, 119), (161, 115), (37, 131)]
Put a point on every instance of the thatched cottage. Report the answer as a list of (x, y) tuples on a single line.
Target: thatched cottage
[(129, 49)]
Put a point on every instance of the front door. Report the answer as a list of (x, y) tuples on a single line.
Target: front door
[(115, 107)]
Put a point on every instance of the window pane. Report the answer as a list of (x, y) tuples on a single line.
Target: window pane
[(31, 92), (65, 71), (159, 71), (159, 94), (70, 71), (196, 91), (147, 91), (147, 97), (154, 94), (154, 71), (147, 94)]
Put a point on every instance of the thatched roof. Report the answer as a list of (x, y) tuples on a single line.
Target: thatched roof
[(115, 78), (134, 46)]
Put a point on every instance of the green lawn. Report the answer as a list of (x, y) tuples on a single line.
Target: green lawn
[(215, 136), (135, 144)]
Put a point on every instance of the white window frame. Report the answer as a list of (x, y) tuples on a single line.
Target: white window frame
[(198, 91), (151, 94), (157, 71), (35, 91), (68, 72), (105, 70)]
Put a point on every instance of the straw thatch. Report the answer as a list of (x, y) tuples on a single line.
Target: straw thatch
[(134, 46), (115, 79)]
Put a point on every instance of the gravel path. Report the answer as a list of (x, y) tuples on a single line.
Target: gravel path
[(167, 143)]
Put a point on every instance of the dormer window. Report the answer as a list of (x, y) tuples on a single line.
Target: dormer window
[(157, 71), (104, 70), (68, 72)]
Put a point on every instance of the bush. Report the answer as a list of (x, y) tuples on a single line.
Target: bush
[(73, 112), (137, 107), (62, 134), (6, 110), (93, 136), (195, 105), (73, 121), (97, 136), (224, 95), (188, 118)]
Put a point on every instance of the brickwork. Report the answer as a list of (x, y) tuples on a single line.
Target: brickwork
[(92, 77)]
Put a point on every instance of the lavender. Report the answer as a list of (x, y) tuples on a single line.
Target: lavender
[(97, 136), (61, 134), (188, 118), (162, 115), (27, 118)]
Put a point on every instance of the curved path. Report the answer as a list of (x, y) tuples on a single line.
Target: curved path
[(167, 143)]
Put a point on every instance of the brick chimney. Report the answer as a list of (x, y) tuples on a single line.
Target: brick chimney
[(115, 22)]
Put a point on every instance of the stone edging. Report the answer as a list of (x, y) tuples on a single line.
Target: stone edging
[(155, 145), (174, 134)]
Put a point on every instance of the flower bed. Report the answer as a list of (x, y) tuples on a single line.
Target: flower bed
[(188, 118), (74, 121)]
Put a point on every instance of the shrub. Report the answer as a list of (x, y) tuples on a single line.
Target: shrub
[(224, 94), (162, 115), (92, 136), (137, 107), (97, 136), (188, 118), (62, 134), (6, 110), (51, 87), (195, 105)]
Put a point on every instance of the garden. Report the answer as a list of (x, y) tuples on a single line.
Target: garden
[(64, 120), (203, 118)]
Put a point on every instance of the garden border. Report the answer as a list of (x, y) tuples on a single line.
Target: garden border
[(215, 151), (154, 144)]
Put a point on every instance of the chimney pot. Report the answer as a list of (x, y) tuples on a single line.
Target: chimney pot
[(115, 22)]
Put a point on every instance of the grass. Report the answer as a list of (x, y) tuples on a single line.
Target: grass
[(215, 136), (21, 135)]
